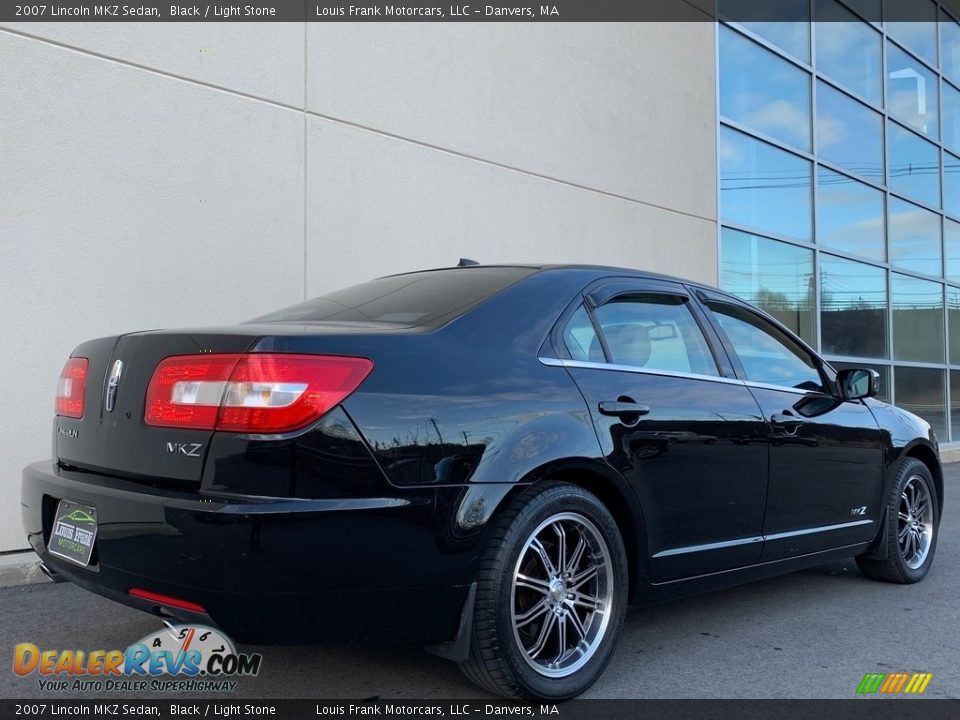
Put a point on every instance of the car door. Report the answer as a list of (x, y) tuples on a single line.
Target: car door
[(825, 452), (673, 420)]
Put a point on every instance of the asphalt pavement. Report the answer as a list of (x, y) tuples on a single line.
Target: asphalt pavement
[(811, 634)]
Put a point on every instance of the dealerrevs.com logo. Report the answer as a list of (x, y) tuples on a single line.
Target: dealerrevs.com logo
[(177, 658)]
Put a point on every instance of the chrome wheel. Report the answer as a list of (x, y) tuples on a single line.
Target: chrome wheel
[(562, 595), (915, 522)]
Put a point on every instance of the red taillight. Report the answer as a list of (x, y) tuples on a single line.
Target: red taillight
[(165, 600), (72, 388), (261, 393)]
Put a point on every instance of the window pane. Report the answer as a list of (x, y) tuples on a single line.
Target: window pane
[(849, 134), (951, 184), (764, 187), (853, 308), (914, 237), (848, 50), (951, 117), (784, 23), (884, 371), (953, 320), (914, 165), (955, 402), (950, 47), (917, 319), (581, 339), (767, 355), (762, 91), (849, 215), (655, 332), (914, 23), (920, 390), (951, 233), (911, 92), (775, 276)]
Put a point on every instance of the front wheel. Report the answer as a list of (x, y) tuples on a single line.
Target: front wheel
[(551, 596), (910, 533)]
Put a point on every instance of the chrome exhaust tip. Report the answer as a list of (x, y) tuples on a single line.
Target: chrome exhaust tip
[(51, 574)]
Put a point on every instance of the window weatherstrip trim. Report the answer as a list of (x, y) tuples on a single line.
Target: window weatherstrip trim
[(557, 362), (586, 364)]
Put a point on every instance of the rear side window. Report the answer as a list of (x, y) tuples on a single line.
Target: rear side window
[(656, 332), (424, 299), (581, 339)]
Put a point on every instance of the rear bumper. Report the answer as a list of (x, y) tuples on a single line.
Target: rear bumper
[(267, 570)]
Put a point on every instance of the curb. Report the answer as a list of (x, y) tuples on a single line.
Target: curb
[(20, 568)]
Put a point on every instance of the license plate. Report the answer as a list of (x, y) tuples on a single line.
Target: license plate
[(74, 532)]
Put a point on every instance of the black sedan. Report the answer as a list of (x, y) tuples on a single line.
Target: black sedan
[(494, 461)]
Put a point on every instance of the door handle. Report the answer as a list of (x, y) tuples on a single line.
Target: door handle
[(786, 420), (622, 408)]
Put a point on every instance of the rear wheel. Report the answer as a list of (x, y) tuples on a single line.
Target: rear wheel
[(911, 527), (551, 596)]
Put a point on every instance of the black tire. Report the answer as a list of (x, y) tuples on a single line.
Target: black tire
[(499, 662), (902, 564)]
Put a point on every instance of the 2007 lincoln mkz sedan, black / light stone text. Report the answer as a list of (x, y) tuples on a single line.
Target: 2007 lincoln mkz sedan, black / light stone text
[(494, 461)]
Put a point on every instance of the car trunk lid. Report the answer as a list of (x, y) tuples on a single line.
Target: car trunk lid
[(112, 437)]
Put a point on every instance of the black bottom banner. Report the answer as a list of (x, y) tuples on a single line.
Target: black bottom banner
[(855, 709)]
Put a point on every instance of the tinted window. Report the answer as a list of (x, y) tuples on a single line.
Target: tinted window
[(917, 319), (762, 91), (655, 332), (951, 231), (767, 354), (913, 165), (951, 117), (784, 23), (849, 134), (764, 187), (914, 237), (581, 339), (914, 23), (772, 275), (950, 47), (424, 299), (911, 92), (848, 50), (955, 402), (951, 184), (953, 325), (849, 215), (853, 308), (921, 391)]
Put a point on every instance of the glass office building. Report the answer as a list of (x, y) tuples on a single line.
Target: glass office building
[(839, 163)]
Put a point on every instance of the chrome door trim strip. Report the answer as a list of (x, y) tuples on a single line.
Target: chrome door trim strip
[(708, 546), (759, 538), (811, 531)]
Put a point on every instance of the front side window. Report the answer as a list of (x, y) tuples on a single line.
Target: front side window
[(768, 355), (656, 332)]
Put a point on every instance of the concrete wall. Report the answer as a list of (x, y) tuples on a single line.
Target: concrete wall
[(155, 176)]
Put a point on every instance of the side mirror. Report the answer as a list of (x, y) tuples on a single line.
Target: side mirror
[(856, 383)]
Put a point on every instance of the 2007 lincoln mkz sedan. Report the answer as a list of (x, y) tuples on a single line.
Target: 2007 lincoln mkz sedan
[(494, 461)]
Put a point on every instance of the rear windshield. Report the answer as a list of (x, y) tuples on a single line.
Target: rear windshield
[(423, 299)]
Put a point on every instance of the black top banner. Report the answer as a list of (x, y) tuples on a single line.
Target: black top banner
[(440, 11)]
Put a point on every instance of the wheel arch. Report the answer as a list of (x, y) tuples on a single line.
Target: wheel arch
[(928, 456), (613, 491)]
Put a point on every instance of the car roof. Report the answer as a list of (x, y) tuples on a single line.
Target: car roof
[(600, 272)]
